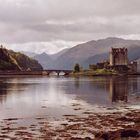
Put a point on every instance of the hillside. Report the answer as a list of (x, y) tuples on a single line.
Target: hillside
[(57, 55), (7, 62), (133, 54), (93, 52), (10, 60), (97, 50), (45, 60), (48, 61)]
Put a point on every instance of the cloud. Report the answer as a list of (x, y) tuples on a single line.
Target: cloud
[(40, 47), (27, 22)]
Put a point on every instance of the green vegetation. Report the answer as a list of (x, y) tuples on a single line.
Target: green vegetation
[(76, 68), (25, 62), (10, 60), (94, 72), (7, 65), (99, 69)]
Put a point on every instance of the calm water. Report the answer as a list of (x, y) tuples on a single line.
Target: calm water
[(30, 97)]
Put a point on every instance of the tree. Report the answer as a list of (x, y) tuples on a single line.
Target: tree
[(77, 68)]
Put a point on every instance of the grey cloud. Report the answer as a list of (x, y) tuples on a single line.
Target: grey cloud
[(25, 21), (39, 47), (117, 25)]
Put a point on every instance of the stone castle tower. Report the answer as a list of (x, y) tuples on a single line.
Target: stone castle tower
[(119, 57)]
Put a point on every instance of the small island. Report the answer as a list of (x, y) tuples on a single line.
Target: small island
[(118, 64)]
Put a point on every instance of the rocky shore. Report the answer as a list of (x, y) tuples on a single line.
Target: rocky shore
[(99, 126)]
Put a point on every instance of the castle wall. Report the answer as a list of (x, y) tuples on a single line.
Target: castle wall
[(118, 56)]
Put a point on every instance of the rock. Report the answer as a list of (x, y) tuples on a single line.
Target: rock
[(130, 133), (108, 136), (76, 138), (117, 135)]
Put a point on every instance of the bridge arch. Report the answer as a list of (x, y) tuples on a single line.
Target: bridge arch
[(58, 72)]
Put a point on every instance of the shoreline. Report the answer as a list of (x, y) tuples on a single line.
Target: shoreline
[(106, 75), (90, 125), (71, 74)]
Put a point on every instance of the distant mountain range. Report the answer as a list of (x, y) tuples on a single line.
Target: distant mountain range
[(45, 60), (88, 53)]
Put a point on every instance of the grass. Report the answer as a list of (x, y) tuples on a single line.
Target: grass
[(94, 72)]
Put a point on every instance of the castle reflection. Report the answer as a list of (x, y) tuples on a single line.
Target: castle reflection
[(120, 88)]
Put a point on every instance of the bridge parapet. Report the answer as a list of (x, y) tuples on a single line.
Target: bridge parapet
[(48, 72)]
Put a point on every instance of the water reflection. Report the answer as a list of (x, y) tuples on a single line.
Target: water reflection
[(55, 94), (118, 89), (77, 82), (11, 87), (106, 90), (31, 93)]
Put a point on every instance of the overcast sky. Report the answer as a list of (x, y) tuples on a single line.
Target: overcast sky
[(51, 25)]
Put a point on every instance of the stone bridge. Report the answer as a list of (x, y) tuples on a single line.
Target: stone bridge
[(48, 72)]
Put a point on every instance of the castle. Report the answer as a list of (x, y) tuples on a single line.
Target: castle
[(119, 57), (119, 60)]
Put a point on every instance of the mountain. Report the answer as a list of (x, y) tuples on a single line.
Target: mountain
[(90, 52), (56, 55), (45, 60), (10, 60), (7, 61), (95, 51), (94, 59), (48, 61), (133, 54)]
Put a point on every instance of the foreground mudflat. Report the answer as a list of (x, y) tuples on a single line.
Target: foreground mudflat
[(108, 125)]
